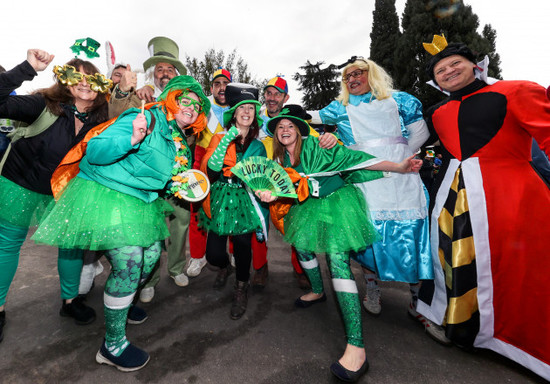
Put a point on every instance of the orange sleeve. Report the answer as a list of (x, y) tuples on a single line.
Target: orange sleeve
[(69, 166)]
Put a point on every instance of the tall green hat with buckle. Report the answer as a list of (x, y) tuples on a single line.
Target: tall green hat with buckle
[(164, 50)]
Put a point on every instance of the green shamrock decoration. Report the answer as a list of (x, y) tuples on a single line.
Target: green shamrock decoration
[(68, 75)]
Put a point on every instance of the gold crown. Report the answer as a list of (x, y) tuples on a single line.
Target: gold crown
[(438, 44)]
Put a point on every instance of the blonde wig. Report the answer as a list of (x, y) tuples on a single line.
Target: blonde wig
[(380, 82)]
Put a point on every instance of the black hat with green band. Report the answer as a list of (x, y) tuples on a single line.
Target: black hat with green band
[(237, 94), (294, 113)]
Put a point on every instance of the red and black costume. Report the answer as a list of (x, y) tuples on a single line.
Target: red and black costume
[(491, 222)]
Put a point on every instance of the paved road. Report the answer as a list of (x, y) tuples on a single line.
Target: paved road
[(191, 338)]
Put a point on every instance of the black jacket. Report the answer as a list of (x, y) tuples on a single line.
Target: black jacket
[(32, 161)]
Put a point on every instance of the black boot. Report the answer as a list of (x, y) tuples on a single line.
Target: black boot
[(240, 300), (81, 313), (2, 323)]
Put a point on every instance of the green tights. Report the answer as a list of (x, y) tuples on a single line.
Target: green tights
[(69, 262), (344, 286), (130, 267)]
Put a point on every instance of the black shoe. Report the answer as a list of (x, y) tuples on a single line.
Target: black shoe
[(346, 375), (306, 304), (130, 360), (136, 315), (2, 323), (221, 279), (240, 300), (81, 313)]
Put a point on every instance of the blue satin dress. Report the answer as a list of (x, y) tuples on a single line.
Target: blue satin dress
[(391, 129)]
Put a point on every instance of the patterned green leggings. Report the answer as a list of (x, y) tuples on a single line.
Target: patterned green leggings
[(344, 286), (130, 267)]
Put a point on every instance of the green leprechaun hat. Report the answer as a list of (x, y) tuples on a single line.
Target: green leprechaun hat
[(87, 46), (164, 50)]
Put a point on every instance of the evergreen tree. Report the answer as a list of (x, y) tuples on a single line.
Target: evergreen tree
[(385, 34), (319, 86), (202, 70), (421, 20), (494, 58)]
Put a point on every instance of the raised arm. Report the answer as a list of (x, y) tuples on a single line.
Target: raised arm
[(410, 164), (28, 107)]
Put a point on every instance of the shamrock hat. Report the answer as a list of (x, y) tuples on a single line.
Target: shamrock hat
[(164, 50), (222, 72), (184, 82), (237, 94), (294, 113), (87, 46), (440, 49), (278, 83)]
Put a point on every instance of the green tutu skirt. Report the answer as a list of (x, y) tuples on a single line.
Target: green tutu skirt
[(20, 206), (91, 216), (339, 222), (232, 211)]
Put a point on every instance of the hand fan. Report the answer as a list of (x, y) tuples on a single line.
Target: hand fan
[(263, 174)]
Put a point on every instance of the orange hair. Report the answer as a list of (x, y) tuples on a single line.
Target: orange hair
[(171, 107)]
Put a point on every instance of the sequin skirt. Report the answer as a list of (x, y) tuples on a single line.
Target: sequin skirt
[(232, 211), (91, 216), (20, 206), (338, 222)]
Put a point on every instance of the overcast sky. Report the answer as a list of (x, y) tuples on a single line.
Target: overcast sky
[(272, 36)]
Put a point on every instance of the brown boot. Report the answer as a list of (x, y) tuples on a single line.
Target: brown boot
[(240, 300), (221, 278), (259, 280), (303, 282)]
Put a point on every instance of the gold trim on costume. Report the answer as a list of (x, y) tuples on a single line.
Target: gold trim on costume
[(461, 308)]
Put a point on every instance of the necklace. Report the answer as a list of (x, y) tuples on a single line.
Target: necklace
[(82, 116), (179, 184)]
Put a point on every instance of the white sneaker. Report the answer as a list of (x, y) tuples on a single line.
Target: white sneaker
[(147, 294), (435, 331), (371, 301), (196, 266), (181, 280)]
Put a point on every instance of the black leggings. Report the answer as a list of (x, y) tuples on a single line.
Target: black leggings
[(216, 253)]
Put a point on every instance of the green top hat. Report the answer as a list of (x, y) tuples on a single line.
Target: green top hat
[(164, 50)]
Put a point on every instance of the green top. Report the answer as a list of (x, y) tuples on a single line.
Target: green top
[(142, 170), (331, 169)]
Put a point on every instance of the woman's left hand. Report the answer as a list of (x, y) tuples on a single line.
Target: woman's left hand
[(327, 141), (410, 164), (266, 196)]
